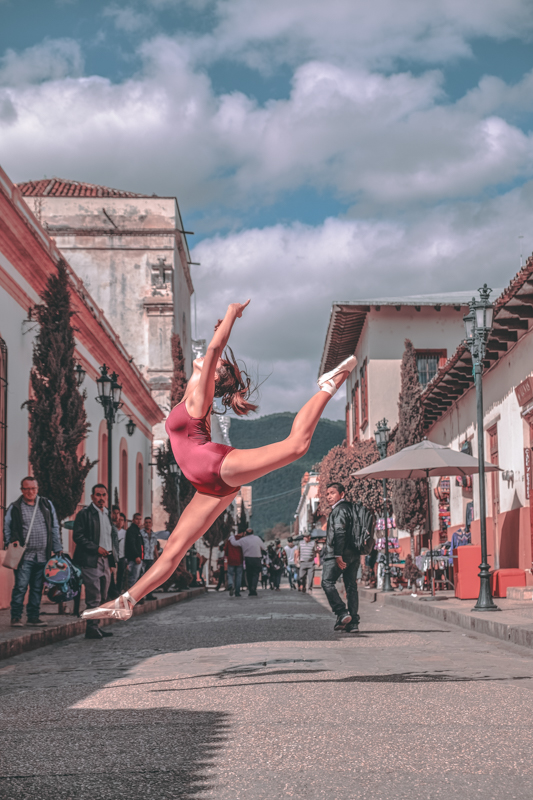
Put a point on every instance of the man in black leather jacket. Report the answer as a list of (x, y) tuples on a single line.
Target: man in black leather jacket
[(340, 557)]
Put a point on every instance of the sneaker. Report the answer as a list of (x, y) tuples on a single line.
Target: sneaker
[(36, 622), (17, 623), (352, 627), (342, 620), (231, 591)]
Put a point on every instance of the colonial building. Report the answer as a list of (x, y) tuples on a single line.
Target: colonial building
[(28, 256), (375, 331), (130, 250), (308, 503), (450, 418)]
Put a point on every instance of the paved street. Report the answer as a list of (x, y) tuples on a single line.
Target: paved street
[(259, 698)]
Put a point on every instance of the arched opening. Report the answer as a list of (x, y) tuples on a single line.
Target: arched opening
[(3, 430), (139, 478), (102, 453), (123, 477)]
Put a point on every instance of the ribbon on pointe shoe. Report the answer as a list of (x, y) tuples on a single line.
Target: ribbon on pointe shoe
[(326, 382)]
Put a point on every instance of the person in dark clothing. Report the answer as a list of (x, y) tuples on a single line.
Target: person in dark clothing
[(96, 541), (276, 567), (221, 568), (133, 550), (341, 558), (32, 521)]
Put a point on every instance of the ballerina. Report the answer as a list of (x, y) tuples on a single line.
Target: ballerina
[(217, 471)]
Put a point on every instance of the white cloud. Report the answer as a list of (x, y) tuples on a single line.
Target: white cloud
[(51, 60), (373, 34), (127, 19), (294, 273)]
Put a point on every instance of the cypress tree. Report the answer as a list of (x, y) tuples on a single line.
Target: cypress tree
[(242, 524), (58, 422), (409, 498), (339, 465), (179, 379)]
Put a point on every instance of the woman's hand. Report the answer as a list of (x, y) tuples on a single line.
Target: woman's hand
[(238, 308)]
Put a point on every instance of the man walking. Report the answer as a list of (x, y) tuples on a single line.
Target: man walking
[(340, 557), (121, 566), (96, 552), (233, 559), (133, 550), (252, 547), (306, 561), (32, 521), (150, 548), (290, 553)]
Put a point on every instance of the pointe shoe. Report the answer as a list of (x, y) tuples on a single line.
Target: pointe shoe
[(326, 382), (123, 609)]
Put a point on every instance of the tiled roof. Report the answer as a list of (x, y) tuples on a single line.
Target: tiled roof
[(57, 187), (512, 311)]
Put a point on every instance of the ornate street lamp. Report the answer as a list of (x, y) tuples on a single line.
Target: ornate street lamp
[(130, 427), (478, 324), (175, 471), (80, 375), (381, 436), (109, 392)]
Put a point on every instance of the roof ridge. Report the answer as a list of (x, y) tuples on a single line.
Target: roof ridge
[(61, 187)]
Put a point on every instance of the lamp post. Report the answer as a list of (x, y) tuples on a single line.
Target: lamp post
[(381, 435), (176, 474), (109, 391), (80, 374), (478, 324)]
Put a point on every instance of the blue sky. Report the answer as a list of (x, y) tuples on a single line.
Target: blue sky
[(319, 151)]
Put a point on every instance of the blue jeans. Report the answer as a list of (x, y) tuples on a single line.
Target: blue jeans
[(292, 573), (30, 573), (235, 578), (134, 573)]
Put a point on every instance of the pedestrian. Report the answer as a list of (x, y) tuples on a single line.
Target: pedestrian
[(234, 560), (290, 552), (306, 563), (276, 567), (217, 471), (96, 540), (252, 547), (113, 590), (32, 522), (340, 557), (121, 566), (133, 550), (221, 568), (150, 548), (265, 572)]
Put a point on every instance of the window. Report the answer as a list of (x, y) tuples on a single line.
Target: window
[(428, 363), (123, 480), (3, 430), (355, 412), (102, 453), (140, 484), (363, 377)]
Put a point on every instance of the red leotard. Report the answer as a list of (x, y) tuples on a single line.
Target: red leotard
[(198, 457)]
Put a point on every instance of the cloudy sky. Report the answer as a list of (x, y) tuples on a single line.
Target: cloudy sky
[(319, 151)]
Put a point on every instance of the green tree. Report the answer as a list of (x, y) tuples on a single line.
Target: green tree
[(179, 378), (58, 422), (409, 498), (242, 523), (339, 465)]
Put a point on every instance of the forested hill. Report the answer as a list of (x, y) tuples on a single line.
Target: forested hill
[(247, 433)]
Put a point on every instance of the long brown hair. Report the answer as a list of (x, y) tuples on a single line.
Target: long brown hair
[(233, 385)]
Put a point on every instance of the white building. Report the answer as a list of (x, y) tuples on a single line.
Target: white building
[(28, 256), (130, 251), (308, 503)]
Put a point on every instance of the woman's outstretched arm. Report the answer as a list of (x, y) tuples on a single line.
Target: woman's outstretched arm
[(202, 396)]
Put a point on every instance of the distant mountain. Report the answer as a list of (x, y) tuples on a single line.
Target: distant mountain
[(248, 433)]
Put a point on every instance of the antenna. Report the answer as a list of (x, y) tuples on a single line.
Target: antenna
[(520, 236)]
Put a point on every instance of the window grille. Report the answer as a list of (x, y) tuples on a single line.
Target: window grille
[(428, 364)]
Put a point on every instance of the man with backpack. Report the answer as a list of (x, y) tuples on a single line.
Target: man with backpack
[(349, 533)]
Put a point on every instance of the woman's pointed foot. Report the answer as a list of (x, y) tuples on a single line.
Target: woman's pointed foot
[(122, 609), (327, 381)]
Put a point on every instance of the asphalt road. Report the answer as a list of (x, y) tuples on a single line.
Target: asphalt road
[(258, 698)]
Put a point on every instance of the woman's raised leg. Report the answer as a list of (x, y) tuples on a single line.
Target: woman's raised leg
[(243, 466)]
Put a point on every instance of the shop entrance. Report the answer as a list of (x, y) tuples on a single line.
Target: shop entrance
[(495, 486)]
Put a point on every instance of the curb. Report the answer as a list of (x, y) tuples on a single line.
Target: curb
[(486, 623), (31, 641)]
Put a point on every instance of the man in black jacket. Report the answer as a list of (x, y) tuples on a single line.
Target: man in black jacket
[(134, 550), (340, 557), (96, 540)]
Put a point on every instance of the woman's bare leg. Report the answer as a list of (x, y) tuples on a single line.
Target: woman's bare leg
[(198, 516), (243, 466)]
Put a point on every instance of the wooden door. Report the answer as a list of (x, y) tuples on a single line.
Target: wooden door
[(495, 485)]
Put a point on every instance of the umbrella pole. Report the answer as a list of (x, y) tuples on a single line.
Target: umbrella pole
[(430, 534)]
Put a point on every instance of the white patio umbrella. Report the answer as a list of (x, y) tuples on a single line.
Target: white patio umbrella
[(424, 460)]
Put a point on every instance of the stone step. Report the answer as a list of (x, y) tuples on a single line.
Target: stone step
[(520, 593)]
